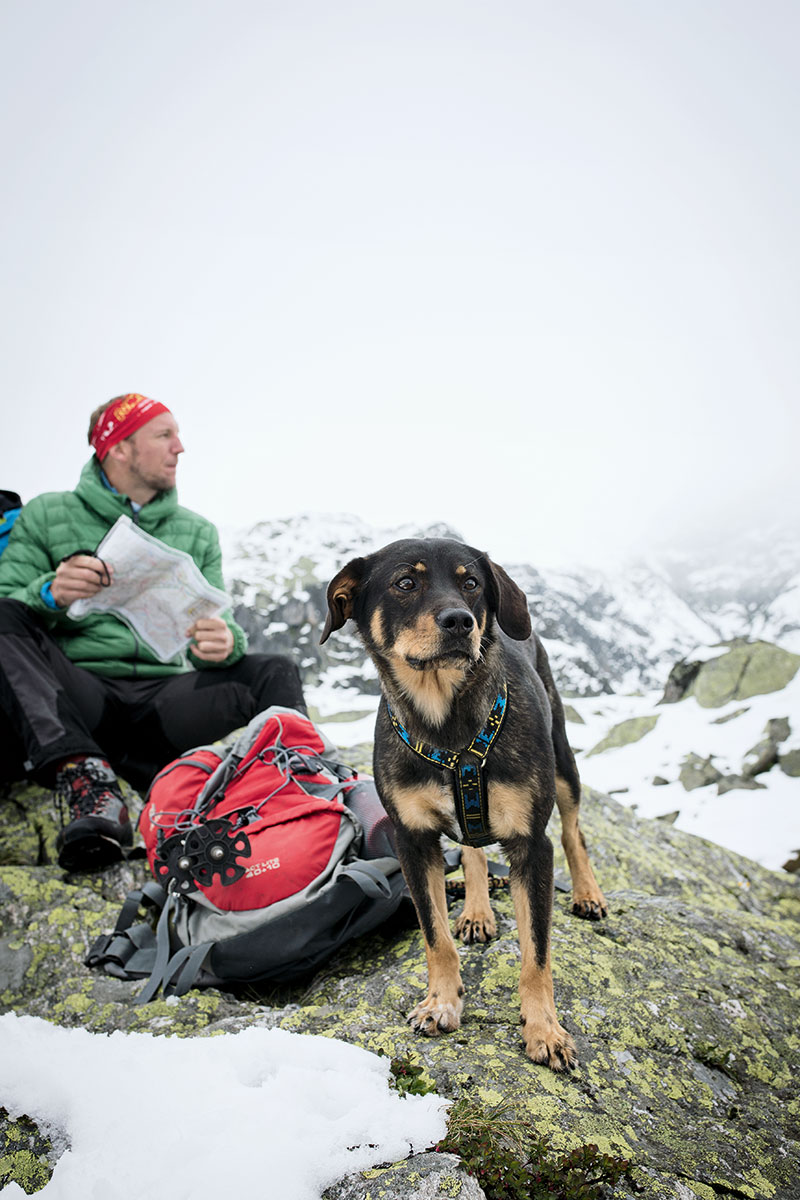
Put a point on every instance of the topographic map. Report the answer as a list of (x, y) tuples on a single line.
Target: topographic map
[(156, 590)]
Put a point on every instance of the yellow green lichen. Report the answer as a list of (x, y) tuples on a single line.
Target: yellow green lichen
[(26, 1169)]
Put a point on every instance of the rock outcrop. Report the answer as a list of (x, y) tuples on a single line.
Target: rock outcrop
[(683, 1004), (741, 670)]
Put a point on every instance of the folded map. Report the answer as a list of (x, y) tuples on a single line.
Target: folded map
[(158, 591)]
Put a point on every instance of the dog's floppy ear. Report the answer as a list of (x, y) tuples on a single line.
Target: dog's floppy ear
[(508, 601), (341, 594)]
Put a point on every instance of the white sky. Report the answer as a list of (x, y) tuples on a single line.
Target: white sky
[(529, 268), (262, 1112)]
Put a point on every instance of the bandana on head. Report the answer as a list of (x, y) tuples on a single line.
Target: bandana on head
[(121, 419)]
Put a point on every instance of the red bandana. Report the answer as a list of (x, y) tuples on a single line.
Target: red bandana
[(121, 419)]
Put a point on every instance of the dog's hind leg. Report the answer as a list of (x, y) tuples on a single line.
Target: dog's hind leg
[(546, 1041), (587, 899), (440, 1011), (476, 923)]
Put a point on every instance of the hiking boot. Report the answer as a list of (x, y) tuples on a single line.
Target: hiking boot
[(93, 814)]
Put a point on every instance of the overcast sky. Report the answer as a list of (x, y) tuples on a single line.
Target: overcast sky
[(529, 268)]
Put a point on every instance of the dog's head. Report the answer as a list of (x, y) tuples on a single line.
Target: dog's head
[(427, 604)]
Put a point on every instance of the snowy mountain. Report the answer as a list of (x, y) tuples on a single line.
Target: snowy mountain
[(605, 632)]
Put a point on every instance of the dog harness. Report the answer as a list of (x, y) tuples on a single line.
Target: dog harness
[(469, 785)]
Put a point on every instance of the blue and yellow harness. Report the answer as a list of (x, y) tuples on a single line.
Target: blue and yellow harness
[(469, 786)]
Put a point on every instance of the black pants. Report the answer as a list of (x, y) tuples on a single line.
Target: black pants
[(50, 709)]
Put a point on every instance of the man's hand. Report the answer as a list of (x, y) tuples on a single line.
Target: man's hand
[(78, 578), (212, 639)]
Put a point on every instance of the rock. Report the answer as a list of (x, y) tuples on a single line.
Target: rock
[(729, 783), (760, 759), (27, 1156), (421, 1177), (778, 729), (738, 712), (572, 714), (679, 681), (669, 818), (698, 772), (624, 734), (682, 1003), (749, 669), (763, 757), (745, 669), (790, 763), (660, 781)]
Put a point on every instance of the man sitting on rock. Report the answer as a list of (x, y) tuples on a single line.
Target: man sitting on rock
[(82, 701)]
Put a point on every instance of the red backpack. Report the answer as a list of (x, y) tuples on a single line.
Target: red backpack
[(267, 857)]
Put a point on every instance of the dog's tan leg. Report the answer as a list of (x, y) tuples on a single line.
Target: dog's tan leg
[(476, 923), (587, 899), (440, 1011), (546, 1041)]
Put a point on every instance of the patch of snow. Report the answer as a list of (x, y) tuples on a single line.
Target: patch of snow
[(261, 1112)]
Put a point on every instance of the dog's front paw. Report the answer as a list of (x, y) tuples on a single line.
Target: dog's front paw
[(436, 1015), (591, 907), (476, 926), (548, 1043)]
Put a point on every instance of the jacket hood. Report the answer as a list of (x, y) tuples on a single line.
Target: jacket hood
[(111, 505)]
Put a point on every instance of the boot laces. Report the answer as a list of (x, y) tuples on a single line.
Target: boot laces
[(85, 790)]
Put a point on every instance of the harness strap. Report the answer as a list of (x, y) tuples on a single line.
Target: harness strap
[(469, 785)]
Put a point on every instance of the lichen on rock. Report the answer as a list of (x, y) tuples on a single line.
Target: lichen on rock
[(682, 1003)]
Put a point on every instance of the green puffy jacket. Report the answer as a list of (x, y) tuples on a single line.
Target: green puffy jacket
[(57, 524)]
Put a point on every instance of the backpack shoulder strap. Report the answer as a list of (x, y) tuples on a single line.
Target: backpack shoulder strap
[(129, 951)]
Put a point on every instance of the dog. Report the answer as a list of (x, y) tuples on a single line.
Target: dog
[(470, 742)]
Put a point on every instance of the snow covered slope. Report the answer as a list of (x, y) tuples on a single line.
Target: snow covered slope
[(661, 773)]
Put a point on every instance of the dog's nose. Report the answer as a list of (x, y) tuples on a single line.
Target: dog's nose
[(455, 620)]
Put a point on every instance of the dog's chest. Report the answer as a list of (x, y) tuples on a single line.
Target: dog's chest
[(427, 807)]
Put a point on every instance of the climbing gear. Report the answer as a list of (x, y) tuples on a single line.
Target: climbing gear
[(469, 785)]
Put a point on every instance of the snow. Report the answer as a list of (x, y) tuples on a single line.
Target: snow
[(261, 1112), (763, 825)]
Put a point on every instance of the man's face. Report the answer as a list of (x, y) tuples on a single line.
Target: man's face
[(153, 453)]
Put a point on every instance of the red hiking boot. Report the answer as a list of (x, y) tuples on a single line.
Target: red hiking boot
[(94, 815)]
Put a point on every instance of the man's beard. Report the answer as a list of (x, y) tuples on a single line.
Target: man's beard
[(159, 483)]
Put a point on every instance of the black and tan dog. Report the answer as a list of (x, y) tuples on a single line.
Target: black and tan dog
[(470, 742)]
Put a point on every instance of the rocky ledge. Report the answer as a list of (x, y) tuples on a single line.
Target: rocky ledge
[(683, 1004)]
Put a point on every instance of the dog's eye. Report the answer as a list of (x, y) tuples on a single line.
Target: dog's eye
[(470, 584), (406, 583)]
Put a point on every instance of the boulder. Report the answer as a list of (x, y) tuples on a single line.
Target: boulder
[(790, 763), (744, 669), (729, 783), (623, 734), (679, 681), (763, 757), (697, 772), (421, 1177), (682, 1003), (749, 669)]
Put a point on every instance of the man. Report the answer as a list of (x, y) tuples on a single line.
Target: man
[(83, 701)]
